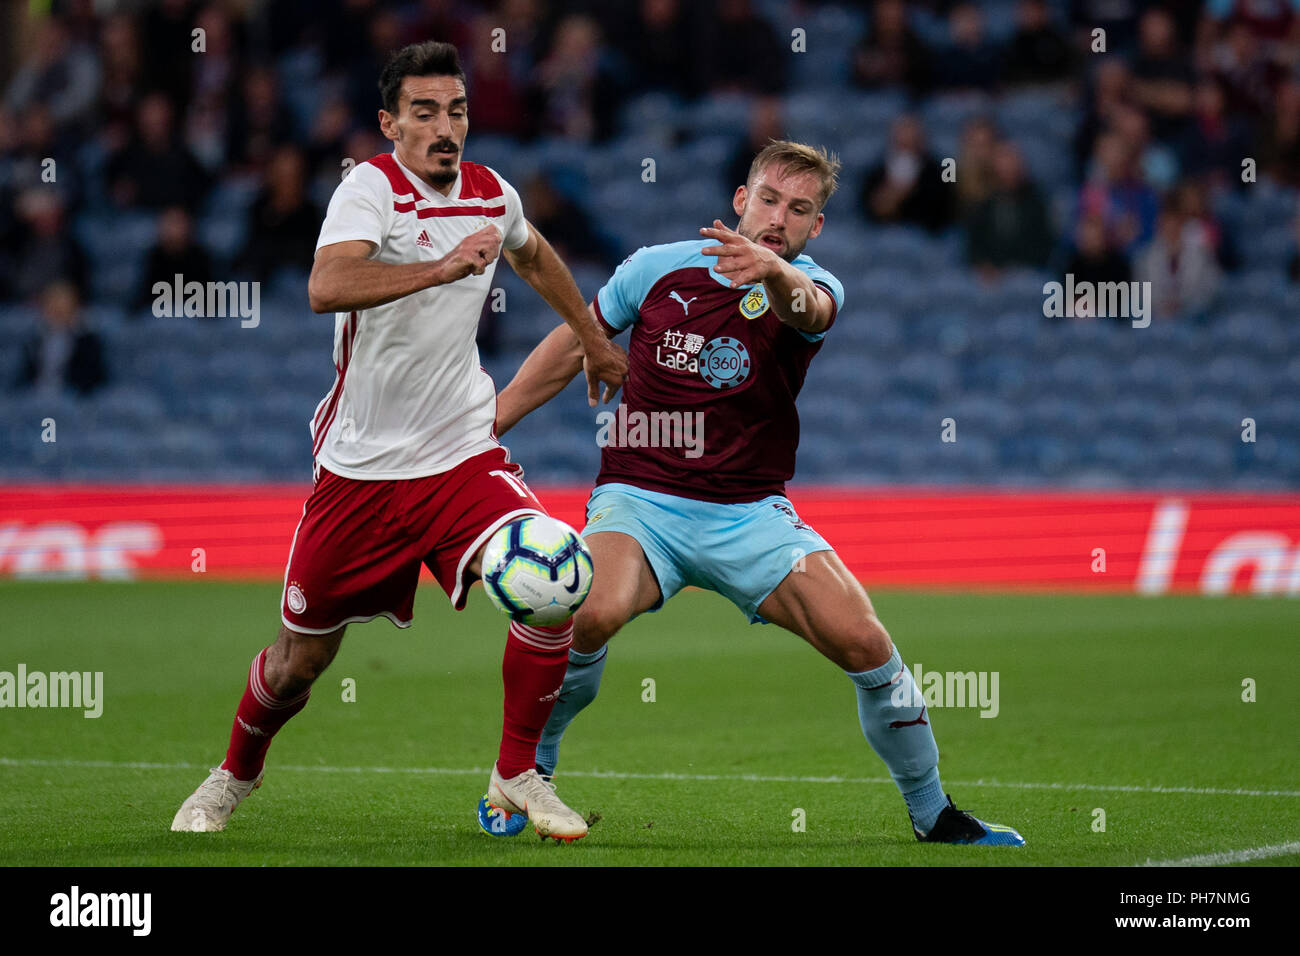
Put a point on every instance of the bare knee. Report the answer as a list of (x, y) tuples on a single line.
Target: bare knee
[(593, 626), (295, 660), (868, 648)]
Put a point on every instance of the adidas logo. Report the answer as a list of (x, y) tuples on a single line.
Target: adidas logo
[(249, 728), (424, 240)]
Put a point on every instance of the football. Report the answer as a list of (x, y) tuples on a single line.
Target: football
[(537, 570)]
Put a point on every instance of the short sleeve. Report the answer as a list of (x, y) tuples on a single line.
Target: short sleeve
[(356, 211), (514, 230), (618, 303), (832, 285)]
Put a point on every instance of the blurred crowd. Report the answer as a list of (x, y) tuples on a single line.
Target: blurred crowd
[(1183, 95), (113, 94)]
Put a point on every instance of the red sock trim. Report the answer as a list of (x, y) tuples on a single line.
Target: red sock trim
[(532, 669), (258, 719)]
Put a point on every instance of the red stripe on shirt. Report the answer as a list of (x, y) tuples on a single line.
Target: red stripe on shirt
[(387, 165), (431, 211), (476, 182), (338, 370), (341, 371)]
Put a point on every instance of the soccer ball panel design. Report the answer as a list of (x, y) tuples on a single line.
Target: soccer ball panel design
[(537, 570)]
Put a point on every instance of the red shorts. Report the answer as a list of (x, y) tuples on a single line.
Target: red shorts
[(358, 549)]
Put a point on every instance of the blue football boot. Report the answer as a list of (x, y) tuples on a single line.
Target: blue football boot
[(496, 822), (958, 826)]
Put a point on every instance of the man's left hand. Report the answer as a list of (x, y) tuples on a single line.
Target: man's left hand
[(740, 260)]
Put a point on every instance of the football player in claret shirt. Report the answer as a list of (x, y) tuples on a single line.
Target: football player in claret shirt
[(691, 489), (408, 469)]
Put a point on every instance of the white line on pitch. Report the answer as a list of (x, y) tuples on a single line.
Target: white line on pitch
[(687, 777), (1232, 856)]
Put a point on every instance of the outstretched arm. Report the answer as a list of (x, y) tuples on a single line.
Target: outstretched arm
[(344, 277), (539, 265), (547, 370), (795, 299)]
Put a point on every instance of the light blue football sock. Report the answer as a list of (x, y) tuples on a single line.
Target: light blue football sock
[(581, 682), (894, 721)]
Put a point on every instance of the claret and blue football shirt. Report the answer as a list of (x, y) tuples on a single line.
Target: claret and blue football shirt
[(698, 345)]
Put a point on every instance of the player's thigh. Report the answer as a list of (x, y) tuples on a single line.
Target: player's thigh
[(458, 514), (829, 608), (622, 586), (352, 559), (296, 659)]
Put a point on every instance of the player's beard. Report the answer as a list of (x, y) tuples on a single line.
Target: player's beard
[(442, 174), (789, 253)]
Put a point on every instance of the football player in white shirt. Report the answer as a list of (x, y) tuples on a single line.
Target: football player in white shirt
[(408, 468)]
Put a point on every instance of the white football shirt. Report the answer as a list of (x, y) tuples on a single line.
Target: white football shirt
[(410, 397)]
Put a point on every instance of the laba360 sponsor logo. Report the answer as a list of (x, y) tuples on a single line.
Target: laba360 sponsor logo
[(75, 908), (75, 689)]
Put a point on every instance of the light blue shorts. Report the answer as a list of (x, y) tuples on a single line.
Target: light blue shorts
[(742, 551)]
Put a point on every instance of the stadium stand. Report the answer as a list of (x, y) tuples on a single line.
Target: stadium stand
[(924, 336)]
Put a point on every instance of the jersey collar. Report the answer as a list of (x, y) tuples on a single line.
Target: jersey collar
[(425, 190)]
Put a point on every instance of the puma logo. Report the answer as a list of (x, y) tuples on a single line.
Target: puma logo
[(898, 724), (686, 303)]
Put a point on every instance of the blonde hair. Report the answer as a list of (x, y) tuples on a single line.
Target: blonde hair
[(794, 159)]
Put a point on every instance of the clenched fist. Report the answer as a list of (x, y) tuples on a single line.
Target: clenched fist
[(472, 256)]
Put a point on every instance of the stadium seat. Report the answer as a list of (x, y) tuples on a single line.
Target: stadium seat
[(1038, 402), (502, 153), (659, 114), (831, 35)]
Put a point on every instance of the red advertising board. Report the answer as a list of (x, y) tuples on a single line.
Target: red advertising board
[(1148, 542)]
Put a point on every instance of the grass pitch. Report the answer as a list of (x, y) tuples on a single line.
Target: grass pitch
[(1132, 706)]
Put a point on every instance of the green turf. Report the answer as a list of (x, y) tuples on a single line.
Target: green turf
[(1096, 694)]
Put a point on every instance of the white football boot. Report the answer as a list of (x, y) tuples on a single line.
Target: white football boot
[(529, 794), (209, 807)]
